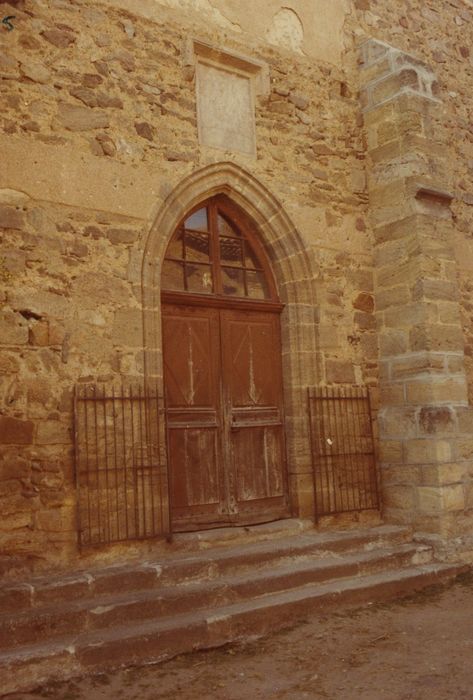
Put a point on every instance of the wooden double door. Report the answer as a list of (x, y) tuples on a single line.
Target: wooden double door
[(225, 422)]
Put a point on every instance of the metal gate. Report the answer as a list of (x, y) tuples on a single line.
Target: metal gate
[(120, 458), (342, 446)]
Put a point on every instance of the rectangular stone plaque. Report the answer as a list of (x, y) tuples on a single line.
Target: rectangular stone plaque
[(225, 108)]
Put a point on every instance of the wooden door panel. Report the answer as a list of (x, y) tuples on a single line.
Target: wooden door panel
[(191, 358), (257, 458), (253, 410), (195, 481), (192, 368), (252, 365)]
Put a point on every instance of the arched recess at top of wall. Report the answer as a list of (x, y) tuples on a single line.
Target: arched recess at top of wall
[(285, 249)]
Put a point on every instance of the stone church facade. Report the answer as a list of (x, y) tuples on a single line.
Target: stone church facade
[(341, 131)]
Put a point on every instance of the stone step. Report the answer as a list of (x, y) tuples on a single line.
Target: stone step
[(155, 640), (182, 567), (105, 611)]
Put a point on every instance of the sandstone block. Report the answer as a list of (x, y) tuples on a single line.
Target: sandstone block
[(364, 302), (411, 365), (465, 419), (55, 519), (107, 145), (85, 95), (390, 451), (399, 496), (14, 431), (91, 80), (9, 364), (436, 419), (59, 37), (299, 100), (8, 67), (39, 333), (441, 498), (469, 496), (96, 288), (57, 333), (40, 302), (442, 474), (117, 235), (365, 321), (10, 217), (397, 422), (53, 432), (77, 118), (392, 395), (104, 100), (427, 451), (340, 372), (144, 130), (13, 328), (393, 343), (35, 72), (430, 392), (128, 328), (464, 448)]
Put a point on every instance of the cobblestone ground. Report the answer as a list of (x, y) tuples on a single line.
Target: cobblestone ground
[(419, 648)]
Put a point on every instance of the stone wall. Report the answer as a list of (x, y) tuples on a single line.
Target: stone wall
[(440, 34), (418, 128), (360, 202), (99, 128)]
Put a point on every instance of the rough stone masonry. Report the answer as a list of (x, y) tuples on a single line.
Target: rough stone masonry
[(360, 178)]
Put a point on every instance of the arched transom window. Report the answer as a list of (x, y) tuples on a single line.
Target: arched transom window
[(215, 251)]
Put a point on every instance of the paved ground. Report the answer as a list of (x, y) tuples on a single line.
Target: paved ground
[(416, 649)]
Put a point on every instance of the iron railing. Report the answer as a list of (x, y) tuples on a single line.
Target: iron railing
[(342, 446), (120, 460)]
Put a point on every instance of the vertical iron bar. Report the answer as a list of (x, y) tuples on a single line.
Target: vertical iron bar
[(77, 464), (140, 415), (347, 448), (115, 462), (125, 474), (159, 460), (168, 465), (322, 450), (135, 474), (351, 448), (337, 492), (97, 469), (148, 429), (373, 472), (325, 448), (107, 485), (87, 461), (312, 453), (362, 469)]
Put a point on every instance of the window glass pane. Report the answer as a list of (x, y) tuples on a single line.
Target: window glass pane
[(232, 282), (175, 249), (256, 285), (230, 251), (250, 258), (199, 279), (225, 228), (173, 275), (197, 246), (198, 220)]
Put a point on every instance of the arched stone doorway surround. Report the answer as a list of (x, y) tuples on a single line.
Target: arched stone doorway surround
[(290, 264)]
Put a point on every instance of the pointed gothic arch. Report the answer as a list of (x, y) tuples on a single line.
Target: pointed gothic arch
[(291, 268)]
